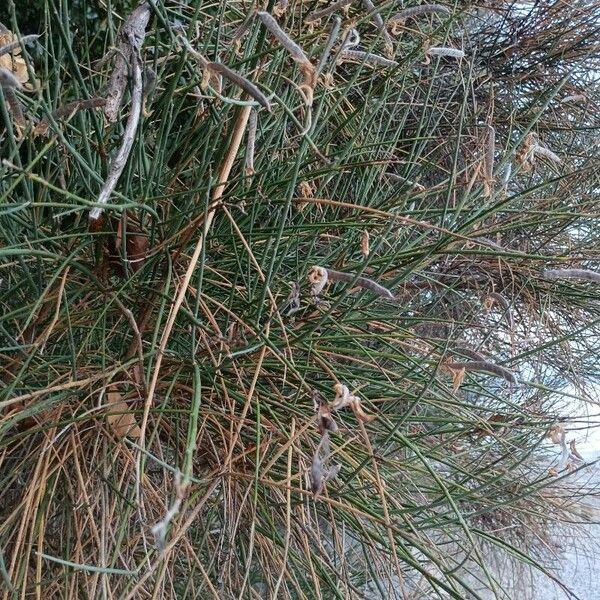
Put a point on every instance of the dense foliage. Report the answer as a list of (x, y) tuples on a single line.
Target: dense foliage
[(173, 416)]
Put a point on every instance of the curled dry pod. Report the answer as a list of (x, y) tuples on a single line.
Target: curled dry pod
[(319, 14), (242, 82), (417, 11), (296, 52), (373, 60), (444, 51), (581, 274), (485, 366)]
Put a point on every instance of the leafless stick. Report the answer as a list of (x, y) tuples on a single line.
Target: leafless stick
[(378, 21), (333, 34), (131, 39), (252, 126), (282, 37), (239, 80), (319, 14), (368, 58), (17, 44), (583, 274), (484, 366), (118, 164)]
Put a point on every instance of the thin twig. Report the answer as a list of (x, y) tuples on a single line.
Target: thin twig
[(333, 34), (68, 110), (378, 21)]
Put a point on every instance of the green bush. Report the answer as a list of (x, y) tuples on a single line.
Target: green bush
[(172, 390)]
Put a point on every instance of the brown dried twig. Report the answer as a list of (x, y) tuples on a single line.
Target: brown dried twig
[(66, 111)]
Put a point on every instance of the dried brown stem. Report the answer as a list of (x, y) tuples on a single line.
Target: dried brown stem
[(68, 110)]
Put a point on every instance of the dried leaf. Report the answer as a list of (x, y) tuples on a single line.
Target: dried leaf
[(457, 374), (325, 420), (13, 61), (360, 414), (364, 244), (555, 434), (137, 248), (574, 451), (120, 418)]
